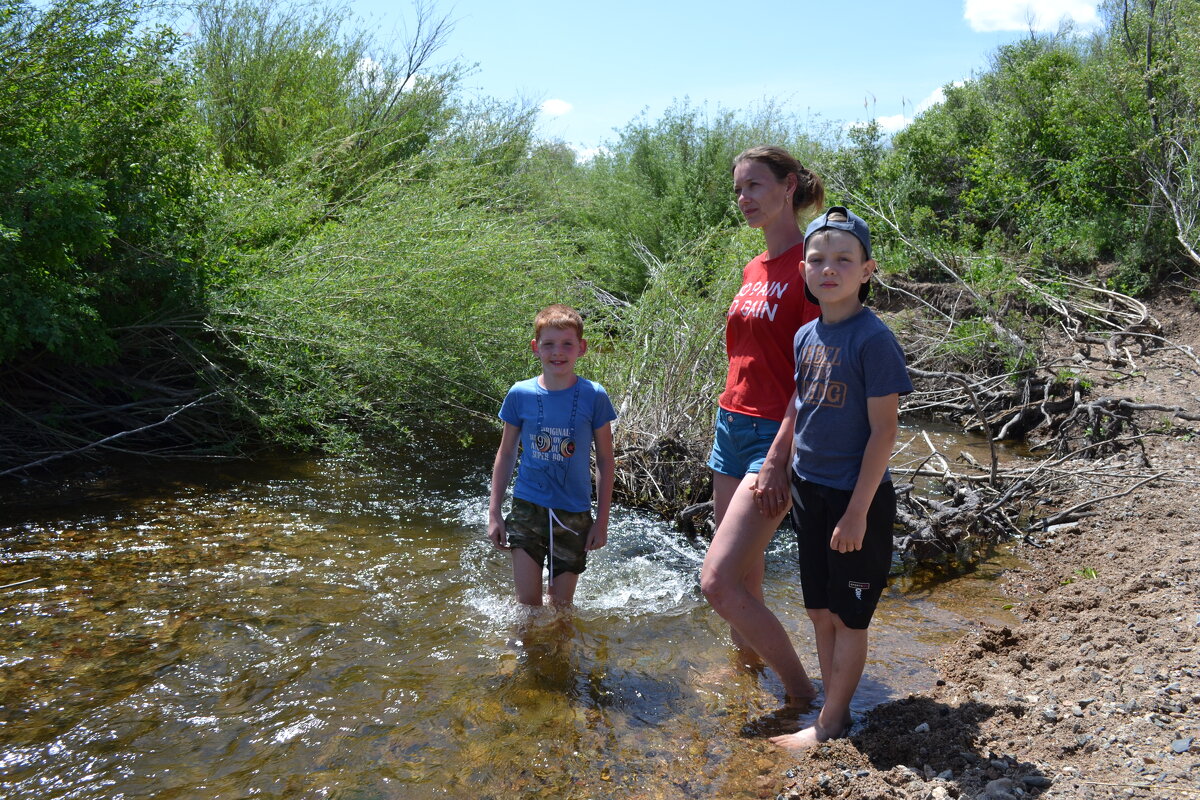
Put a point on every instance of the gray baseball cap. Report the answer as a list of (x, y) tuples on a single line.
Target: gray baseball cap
[(851, 224)]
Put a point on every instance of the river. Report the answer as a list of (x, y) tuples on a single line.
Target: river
[(332, 628)]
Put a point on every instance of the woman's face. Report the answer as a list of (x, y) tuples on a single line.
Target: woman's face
[(761, 197)]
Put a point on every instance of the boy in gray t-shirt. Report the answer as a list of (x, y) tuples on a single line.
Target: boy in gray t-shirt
[(850, 373)]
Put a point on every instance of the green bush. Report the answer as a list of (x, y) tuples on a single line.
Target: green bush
[(98, 155), (294, 91), (665, 184), (414, 305)]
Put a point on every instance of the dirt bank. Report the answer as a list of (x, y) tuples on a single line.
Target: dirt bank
[(1096, 692)]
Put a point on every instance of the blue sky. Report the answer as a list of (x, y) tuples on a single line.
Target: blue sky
[(594, 68)]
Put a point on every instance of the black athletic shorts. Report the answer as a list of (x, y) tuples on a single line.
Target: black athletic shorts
[(848, 584)]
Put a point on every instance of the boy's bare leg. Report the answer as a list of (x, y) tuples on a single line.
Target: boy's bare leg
[(733, 558), (562, 590), (527, 576), (847, 656), (824, 633)]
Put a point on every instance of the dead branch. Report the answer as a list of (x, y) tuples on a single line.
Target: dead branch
[(18, 583), (1072, 513), (968, 387), (162, 400), (108, 439)]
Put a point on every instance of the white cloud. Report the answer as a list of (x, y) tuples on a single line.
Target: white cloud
[(371, 74), (896, 122), (556, 108), (1021, 15), (893, 123), (938, 95), (583, 155)]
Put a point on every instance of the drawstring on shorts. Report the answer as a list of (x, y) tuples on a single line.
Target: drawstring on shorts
[(553, 519)]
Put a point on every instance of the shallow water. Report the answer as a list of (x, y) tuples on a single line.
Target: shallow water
[(323, 628)]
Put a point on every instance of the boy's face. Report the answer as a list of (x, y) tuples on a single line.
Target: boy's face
[(558, 349), (835, 267)]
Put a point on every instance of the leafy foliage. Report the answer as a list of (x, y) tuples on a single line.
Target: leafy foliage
[(287, 92), (1052, 156), (387, 318), (666, 184), (327, 234), (97, 177)]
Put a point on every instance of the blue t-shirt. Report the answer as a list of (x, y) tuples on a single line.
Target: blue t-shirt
[(556, 440), (837, 368)]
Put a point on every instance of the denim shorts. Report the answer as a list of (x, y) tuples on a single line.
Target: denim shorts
[(741, 443)]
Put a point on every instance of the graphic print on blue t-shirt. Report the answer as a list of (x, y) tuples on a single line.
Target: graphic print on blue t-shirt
[(555, 445), (838, 368), (819, 388), (554, 468)]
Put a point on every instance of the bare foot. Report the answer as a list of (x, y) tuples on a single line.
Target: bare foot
[(809, 737), (805, 698), (785, 718)]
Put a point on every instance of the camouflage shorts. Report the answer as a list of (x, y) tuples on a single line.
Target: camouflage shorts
[(528, 528)]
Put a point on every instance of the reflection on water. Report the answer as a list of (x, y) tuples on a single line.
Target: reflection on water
[(320, 628)]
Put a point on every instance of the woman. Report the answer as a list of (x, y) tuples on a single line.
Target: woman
[(752, 445)]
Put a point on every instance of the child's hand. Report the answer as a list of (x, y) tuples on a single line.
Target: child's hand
[(498, 534), (597, 536), (848, 534)]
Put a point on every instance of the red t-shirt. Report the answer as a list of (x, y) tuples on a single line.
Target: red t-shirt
[(762, 322)]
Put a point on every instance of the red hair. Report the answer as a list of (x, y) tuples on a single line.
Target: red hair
[(557, 316)]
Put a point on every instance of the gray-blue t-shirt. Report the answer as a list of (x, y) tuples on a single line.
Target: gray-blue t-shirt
[(837, 368), (556, 440)]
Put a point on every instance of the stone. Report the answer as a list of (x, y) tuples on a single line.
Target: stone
[(999, 789)]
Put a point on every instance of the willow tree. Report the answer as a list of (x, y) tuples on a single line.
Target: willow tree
[(1158, 44), (100, 212)]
